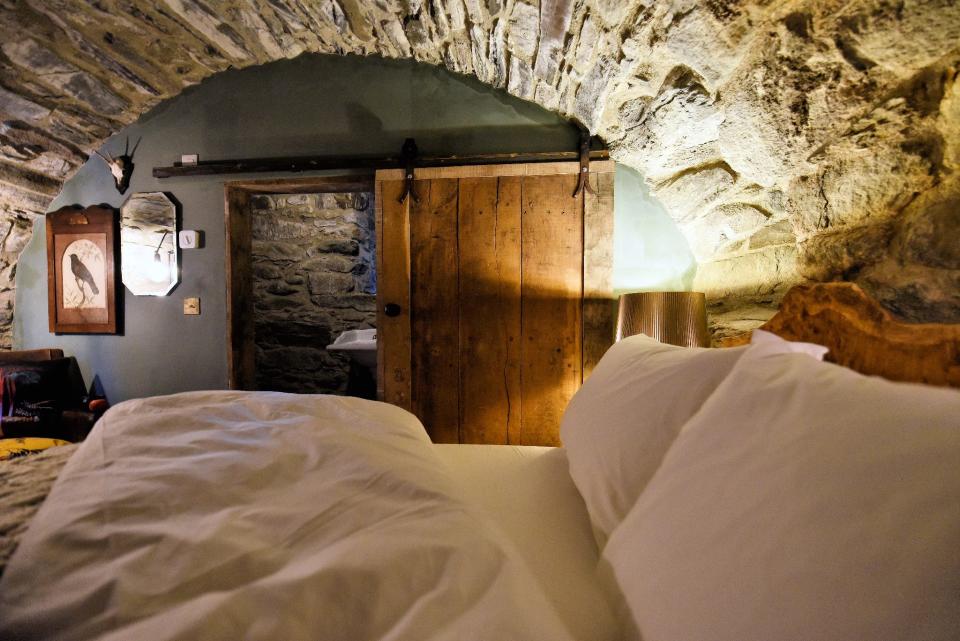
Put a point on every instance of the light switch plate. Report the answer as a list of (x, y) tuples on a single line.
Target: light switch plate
[(191, 306), (189, 239)]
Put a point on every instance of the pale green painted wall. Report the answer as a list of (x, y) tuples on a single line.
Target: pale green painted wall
[(310, 105)]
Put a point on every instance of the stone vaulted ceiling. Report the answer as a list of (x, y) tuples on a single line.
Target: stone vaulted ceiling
[(789, 140)]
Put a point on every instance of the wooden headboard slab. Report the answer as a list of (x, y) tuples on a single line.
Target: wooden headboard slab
[(864, 336)]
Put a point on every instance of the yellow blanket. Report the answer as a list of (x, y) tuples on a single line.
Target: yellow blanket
[(14, 447)]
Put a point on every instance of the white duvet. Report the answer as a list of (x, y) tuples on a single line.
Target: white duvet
[(233, 515)]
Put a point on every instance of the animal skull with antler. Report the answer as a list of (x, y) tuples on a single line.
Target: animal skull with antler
[(122, 166)]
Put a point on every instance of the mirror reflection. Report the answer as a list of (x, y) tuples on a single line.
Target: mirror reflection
[(148, 246)]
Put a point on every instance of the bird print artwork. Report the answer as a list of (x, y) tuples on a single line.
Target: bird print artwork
[(83, 275)]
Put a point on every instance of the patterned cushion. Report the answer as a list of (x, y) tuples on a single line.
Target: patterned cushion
[(42, 381)]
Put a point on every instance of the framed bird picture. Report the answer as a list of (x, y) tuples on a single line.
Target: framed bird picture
[(81, 273)]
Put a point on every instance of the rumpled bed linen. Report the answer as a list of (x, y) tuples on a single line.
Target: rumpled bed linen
[(240, 515), (24, 484)]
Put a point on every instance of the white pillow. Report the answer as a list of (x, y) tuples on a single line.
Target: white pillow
[(763, 337), (624, 418), (803, 501)]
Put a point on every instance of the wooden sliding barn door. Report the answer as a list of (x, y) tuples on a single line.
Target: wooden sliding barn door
[(494, 295)]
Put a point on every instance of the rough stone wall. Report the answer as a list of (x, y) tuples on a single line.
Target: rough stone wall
[(15, 232), (314, 277), (803, 139)]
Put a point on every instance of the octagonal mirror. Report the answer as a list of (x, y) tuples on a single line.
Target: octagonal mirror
[(148, 244)]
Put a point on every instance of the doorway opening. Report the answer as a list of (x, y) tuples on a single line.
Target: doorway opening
[(300, 271)]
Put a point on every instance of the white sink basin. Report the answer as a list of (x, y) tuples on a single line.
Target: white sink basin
[(358, 344)]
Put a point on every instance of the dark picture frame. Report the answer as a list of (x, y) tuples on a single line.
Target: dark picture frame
[(82, 287)]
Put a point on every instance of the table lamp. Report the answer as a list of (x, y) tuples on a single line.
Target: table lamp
[(677, 318)]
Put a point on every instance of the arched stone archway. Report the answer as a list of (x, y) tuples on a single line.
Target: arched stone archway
[(790, 140)]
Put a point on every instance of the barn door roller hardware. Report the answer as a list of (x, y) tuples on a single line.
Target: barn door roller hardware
[(583, 181), (297, 164), (408, 154)]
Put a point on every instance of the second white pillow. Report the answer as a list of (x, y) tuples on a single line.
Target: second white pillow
[(803, 501), (619, 425)]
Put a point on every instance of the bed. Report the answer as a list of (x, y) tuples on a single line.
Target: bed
[(776, 497)]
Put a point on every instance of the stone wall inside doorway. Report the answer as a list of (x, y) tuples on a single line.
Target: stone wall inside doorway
[(313, 277)]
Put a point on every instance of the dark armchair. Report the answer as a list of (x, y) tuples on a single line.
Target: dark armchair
[(42, 393)]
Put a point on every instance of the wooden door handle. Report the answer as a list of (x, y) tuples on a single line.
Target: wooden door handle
[(392, 309)]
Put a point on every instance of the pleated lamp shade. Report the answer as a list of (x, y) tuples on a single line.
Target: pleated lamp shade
[(677, 318)]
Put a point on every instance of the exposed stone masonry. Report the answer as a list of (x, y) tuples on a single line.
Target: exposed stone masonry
[(15, 232), (313, 277), (803, 139)]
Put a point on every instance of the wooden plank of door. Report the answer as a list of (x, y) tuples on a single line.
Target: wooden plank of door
[(489, 241), (599, 303), (241, 350), (434, 314), (552, 281), (393, 267)]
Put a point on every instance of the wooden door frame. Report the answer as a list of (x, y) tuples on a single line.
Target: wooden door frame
[(241, 372)]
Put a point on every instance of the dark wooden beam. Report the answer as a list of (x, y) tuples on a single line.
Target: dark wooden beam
[(344, 183), (299, 164)]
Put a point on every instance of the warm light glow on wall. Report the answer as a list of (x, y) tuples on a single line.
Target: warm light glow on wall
[(650, 252)]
